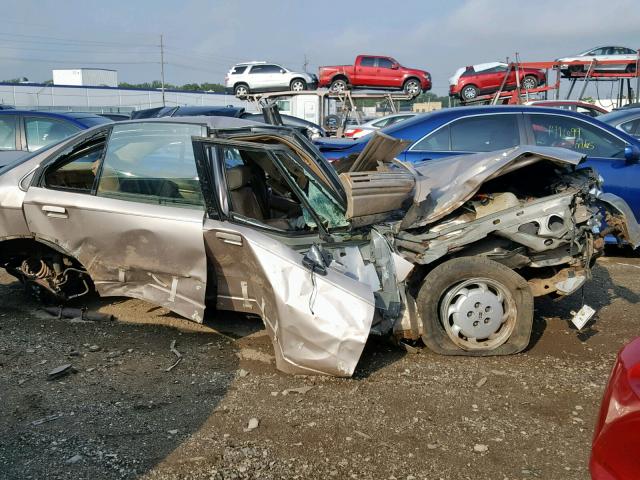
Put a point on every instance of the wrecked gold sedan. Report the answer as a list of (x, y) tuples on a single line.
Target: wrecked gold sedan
[(219, 212)]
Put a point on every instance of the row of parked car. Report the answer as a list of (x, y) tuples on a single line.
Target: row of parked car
[(381, 72)]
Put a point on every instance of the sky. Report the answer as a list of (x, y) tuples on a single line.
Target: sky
[(204, 39)]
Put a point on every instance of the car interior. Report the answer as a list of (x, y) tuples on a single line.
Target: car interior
[(258, 190)]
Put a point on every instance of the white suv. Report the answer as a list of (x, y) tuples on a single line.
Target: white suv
[(245, 78)]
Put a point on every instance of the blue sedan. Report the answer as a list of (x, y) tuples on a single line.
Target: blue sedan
[(24, 131), (457, 131)]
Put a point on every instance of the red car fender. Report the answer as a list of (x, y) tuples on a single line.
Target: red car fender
[(615, 452)]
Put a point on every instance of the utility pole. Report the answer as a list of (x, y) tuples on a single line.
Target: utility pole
[(305, 64), (162, 67)]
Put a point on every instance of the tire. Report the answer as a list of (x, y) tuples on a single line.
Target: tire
[(331, 122), (297, 85), (241, 90), (529, 82), (338, 85), (575, 69), (412, 87), (469, 92), (457, 299)]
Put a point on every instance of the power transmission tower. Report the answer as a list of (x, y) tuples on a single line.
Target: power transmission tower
[(162, 67)]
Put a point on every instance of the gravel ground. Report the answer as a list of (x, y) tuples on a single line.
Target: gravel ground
[(402, 416)]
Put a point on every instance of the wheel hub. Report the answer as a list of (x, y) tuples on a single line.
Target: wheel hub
[(478, 313)]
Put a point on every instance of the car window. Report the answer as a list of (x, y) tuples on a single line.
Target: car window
[(574, 134), (45, 131), (438, 141), (384, 63), (629, 51), (152, 163), (484, 133), (632, 127), (76, 170), (587, 111), (382, 122), (237, 70), (266, 69), (368, 62), (7, 132)]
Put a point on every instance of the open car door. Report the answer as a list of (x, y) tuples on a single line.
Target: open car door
[(318, 322)]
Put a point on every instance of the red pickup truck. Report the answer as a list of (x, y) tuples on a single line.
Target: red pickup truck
[(375, 72)]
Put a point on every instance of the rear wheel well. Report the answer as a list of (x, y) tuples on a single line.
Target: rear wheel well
[(340, 76), (46, 267)]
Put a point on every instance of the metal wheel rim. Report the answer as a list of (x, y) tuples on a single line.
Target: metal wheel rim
[(241, 91), (297, 86), (528, 84), (413, 88), (469, 93), (339, 86), (481, 307)]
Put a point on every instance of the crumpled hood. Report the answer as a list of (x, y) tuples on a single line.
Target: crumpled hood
[(444, 185)]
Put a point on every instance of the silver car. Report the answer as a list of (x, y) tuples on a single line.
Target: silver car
[(253, 77), (218, 212), (626, 60)]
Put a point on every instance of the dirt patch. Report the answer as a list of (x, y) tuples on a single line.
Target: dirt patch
[(122, 415)]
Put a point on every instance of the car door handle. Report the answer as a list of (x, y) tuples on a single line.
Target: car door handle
[(55, 211), (230, 238)]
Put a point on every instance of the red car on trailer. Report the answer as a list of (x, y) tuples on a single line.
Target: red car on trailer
[(483, 79)]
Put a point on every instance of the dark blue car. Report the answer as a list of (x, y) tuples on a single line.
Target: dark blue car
[(24, 131), (457, 131)]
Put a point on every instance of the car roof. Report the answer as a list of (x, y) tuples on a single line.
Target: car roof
[(459, 112), (620, 115), (67, 115), (213, 122)]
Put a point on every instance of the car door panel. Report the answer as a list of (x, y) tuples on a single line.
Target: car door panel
[(145, 251), (318, 324)]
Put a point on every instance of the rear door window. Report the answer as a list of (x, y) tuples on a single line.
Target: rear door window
[(238, 70), (7, 132), (485, 133), (266, 69), (152, 163), (575, 134), (368, 62), (41, 132), (438, 141)]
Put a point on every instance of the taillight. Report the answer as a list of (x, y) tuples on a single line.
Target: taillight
[(352, 131)]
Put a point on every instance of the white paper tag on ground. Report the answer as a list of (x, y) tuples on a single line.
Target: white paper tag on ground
[(581, 318)]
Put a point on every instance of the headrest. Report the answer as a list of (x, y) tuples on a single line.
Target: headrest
[(238, 177)]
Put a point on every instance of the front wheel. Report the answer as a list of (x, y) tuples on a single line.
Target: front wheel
[(475, 306), (412, 87), (298, 85)]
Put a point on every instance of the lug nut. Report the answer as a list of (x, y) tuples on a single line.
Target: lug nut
[(487, 309), (477, 305), (476, 323)]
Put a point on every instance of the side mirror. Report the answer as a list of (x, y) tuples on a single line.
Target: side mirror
[(283, 71), (632, 154), (395, 66), (316, 260)]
